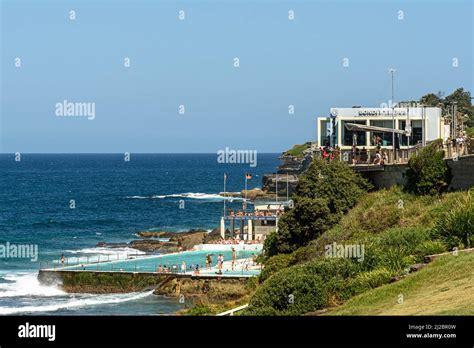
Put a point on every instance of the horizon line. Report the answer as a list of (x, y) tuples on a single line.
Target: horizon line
[(120, 153)]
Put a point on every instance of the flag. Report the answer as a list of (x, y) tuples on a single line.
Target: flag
[(248, 176), (225, 177)]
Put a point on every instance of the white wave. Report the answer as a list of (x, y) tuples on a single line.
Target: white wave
[(190, 195), (26, 285), (107, 251), (91, 300)]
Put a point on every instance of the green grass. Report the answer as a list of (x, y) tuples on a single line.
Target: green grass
[(444, 287), (386, 209), (297, 150), (376, 213), (397, 230)]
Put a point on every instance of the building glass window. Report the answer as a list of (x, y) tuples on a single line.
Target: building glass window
[(416, 132), (324, 134), (385, 138), (348, 136)]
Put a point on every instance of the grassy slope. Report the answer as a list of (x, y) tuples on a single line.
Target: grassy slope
[(379, 211), (444, 287), (297, 150)]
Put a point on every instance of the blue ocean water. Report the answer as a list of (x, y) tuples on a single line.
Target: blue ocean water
[(114, 199)]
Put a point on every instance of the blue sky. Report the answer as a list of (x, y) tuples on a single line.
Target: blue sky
[(190, 63)]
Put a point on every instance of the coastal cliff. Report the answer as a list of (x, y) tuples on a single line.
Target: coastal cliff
[(167, 242), (295, 163), (196, 294)]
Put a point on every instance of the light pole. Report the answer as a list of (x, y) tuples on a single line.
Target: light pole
[(455, 121), (392, 72), (423, 120)]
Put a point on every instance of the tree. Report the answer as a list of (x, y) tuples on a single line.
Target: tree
[(322, 196), (427, 171), (461, 97), (431, 99)]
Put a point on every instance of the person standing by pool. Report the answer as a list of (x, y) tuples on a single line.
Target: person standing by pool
[(208, 261), (183, 267), (234, 257), (220, 261)]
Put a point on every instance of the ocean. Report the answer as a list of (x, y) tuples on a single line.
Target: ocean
[(67, 203)]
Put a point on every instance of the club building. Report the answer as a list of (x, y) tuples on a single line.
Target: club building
[(358, 125)]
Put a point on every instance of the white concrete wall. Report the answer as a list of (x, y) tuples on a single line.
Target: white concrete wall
[(222, 247)]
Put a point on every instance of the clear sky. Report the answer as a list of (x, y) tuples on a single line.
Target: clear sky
[(191, 62)]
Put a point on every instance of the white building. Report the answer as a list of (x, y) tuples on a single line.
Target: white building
[(424, 124)]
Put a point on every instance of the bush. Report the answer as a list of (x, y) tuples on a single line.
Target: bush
[(322, 196), (397, 259), (395, 249), (274, 264), (303, 254), (311, 286), (456, 228), (334, 181), (372, 279), (251, 284), (271, 245), (430, 247), (427, 171), (292, 291), (199, 310)]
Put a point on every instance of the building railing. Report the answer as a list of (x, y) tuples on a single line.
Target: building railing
[(231, 312), (133, 264), (76, 261), (402, 156)]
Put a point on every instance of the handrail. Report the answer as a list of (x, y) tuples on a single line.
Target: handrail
[(231, 312)]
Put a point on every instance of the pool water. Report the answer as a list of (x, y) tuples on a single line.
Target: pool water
[(171, 261)]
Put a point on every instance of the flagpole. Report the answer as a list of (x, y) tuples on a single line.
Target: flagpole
[(245, 191), (287, 192), (276, 187), (225, 195)]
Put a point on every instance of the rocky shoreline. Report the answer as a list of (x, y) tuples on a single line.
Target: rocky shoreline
[(166, 242), (169, 242)]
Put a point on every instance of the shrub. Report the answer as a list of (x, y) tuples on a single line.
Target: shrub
[(396, 259), (334, 181), (395, 248), (322, 196), (274, 264), (427, 171), (303, 254), (199, 310), (292, 291), (456, 228), (372, 279), (430, 247), (251, 284), (312, 286), (272, 244)]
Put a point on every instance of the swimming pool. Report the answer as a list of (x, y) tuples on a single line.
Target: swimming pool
[(172, 262)]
